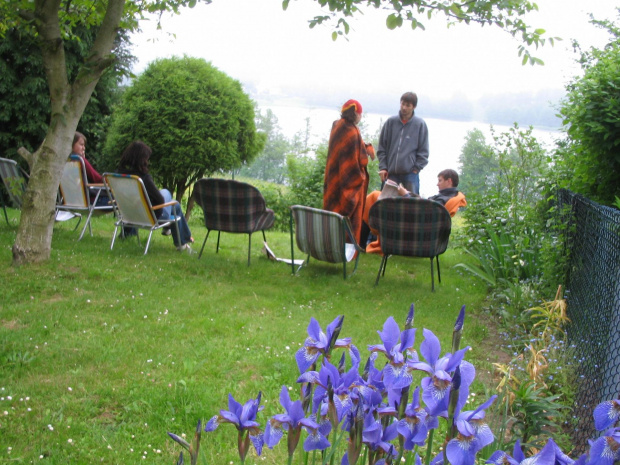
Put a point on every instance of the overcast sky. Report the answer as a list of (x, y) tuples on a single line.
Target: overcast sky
[(279, 59)]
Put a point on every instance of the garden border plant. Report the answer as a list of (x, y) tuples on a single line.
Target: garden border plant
[(373, 417)]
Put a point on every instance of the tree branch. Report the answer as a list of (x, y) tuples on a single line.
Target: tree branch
[(26, 155)]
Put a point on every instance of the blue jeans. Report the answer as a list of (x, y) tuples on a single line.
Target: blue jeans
[(410, 181), (103, 200), (168, 212)]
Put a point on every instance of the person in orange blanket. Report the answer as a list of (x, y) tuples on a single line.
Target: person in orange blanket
[(449, 197), (346, 175)]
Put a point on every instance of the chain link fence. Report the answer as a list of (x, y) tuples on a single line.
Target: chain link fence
[(592, 240)]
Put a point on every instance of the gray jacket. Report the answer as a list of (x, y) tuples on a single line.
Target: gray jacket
[(403, 147)]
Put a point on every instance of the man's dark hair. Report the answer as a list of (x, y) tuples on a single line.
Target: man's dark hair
[(452, 175), (410, 97)]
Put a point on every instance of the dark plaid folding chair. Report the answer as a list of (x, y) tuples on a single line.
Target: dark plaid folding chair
[(323, 235), (15, 181), (234, 207), (411, 227)]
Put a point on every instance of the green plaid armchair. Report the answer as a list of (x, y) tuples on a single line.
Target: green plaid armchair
[(411, 227), (232, 206), (323, 235)]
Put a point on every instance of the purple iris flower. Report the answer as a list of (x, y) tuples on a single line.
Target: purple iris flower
[(417, 422), (318, 343), (606, 449), (342, 386), (375, 437), (473, 434), (437, 386), (292, 421), (546, 456), (397, 372), (606, 414), (244, 419)]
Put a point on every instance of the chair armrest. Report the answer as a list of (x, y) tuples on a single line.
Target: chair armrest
[(167, 204)]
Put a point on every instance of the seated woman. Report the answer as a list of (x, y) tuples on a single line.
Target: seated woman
[(92, 176), (135, 161)]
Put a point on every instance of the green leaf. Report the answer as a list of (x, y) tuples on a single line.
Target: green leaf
[(285, 4), (393, 21)]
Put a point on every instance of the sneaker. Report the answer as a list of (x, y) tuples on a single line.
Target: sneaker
[(185, 248), (166, 232)]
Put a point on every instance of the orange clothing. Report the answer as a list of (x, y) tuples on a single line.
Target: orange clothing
[(374, 246), (456, 202), (346, 176)]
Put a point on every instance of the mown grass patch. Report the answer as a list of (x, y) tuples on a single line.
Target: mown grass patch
[(102, 352)]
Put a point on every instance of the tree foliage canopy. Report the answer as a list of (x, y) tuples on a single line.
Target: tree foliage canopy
[(591, 116), (270, 165), (478, 164), (504, 14), (24, 98), (196, 119)]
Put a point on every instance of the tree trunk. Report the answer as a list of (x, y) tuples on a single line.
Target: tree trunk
[(34, 236), (68, 101)]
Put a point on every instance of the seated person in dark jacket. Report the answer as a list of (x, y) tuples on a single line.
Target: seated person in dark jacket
[(447, 182), (448, 196), (135, 161)]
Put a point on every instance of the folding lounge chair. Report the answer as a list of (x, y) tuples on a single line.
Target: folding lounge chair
[(323, 235), (234, 207), (15, 181), (411, 227), (74, 194), (133, 207)]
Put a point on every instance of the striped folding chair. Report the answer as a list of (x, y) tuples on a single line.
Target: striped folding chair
[(411, 227), (75, 191), (234, 207), (323, 235), (133, 207), (15, 181)]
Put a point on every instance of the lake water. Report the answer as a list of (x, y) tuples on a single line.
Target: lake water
[(446, 138)]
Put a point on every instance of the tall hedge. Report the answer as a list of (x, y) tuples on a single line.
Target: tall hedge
[(590, 158), (196, 119)]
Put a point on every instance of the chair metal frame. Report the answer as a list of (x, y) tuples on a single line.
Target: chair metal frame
[(74, 194), (243, 211), (397, 220), (15, 181), (134, 209), (323, 221)]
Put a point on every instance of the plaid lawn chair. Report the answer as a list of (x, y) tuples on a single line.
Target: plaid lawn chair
[(411, 227), (15, 181), (234, 207), (322, 234)]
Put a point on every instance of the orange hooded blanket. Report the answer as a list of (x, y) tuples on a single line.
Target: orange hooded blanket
[(346, 176)]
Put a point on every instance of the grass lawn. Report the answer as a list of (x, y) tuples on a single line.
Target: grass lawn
[(102, 352)]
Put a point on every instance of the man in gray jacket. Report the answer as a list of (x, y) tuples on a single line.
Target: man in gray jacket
[(403, 146)]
